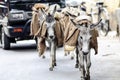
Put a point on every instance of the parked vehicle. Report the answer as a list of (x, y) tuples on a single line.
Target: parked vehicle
[(17, 18)]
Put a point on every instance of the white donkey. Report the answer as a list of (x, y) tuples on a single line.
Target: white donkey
[(84, 44), (50, 36)]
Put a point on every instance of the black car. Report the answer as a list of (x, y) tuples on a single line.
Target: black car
[(17, 18)]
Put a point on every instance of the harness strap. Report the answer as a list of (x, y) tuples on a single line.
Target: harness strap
[(39, 30)]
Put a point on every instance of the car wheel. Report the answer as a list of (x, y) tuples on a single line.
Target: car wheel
[(5, 41), (118, 30), (0, 34)]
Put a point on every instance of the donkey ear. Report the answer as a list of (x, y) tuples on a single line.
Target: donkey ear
[(92, 26), (55, 9), (71, 15), (43, 11)]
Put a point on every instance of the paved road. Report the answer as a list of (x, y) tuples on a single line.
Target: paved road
[(22, 63)]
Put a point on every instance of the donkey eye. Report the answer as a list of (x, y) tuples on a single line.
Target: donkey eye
[(90, 38), (81, 37), (81, 24)]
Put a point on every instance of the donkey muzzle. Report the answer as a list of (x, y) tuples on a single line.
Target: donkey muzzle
[(52, 37), (85, 53)]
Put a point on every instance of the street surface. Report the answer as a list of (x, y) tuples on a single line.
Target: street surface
[(23, 63)]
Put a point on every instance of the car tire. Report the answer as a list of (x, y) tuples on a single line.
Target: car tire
[(5, 41), (118, 30), (0, 34)]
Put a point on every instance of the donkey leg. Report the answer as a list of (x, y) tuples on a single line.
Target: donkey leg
[(55, 55), (72, 55), (41, 47), (52, 55), (43, 56), (88, 65), (81, 67), (77, 61)]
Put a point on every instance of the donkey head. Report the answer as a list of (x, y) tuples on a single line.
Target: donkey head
[(50, 23), (84, 39), (85, 35)]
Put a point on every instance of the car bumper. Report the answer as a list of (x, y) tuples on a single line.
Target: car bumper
[(15, 32)]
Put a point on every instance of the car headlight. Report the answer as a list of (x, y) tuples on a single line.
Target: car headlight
[(17, 16)]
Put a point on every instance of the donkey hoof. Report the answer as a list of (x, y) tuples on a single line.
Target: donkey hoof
[(51, 69), (55, 64), (72, 58), (43, 57), (88, 77), (76, 66), (83, 78), (65, 54)]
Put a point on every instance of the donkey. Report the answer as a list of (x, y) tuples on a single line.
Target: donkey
[(50, 23), (84, 43)]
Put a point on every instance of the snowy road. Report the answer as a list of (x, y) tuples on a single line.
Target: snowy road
[(22, 63)]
